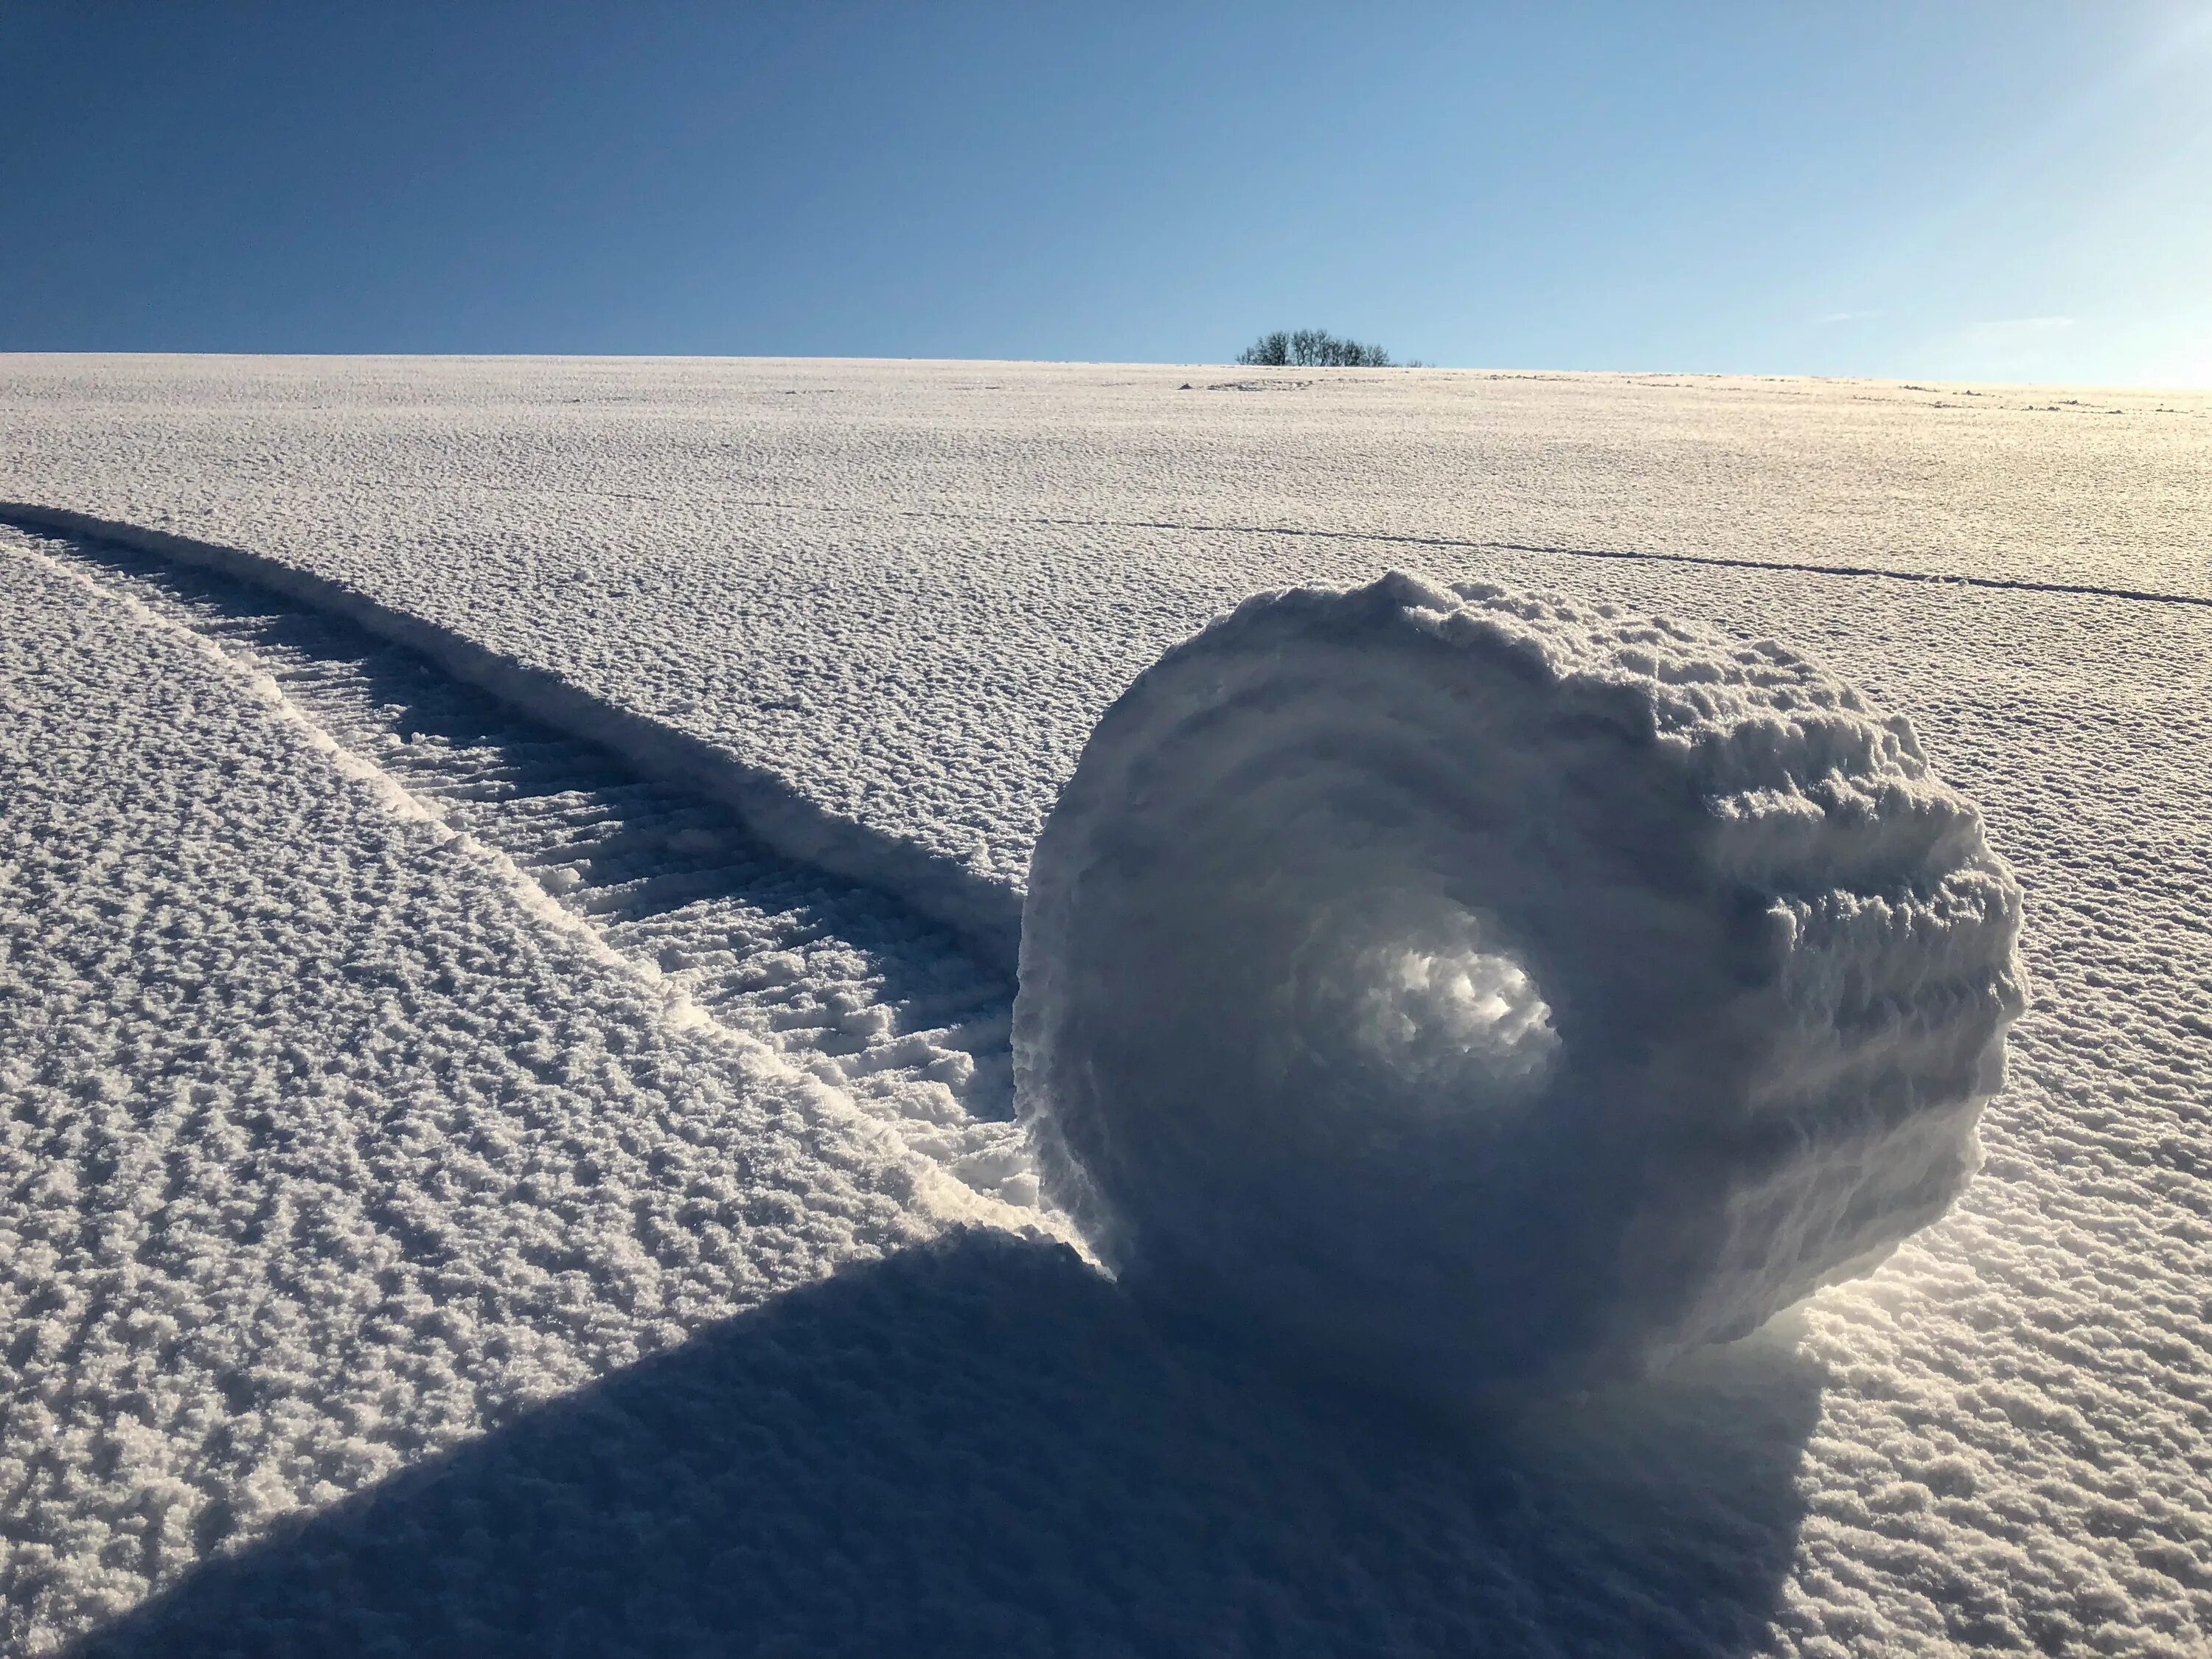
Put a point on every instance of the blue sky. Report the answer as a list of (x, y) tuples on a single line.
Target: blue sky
[(1941, 189)]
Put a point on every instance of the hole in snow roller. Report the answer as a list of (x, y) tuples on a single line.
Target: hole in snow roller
[(1475, 988)]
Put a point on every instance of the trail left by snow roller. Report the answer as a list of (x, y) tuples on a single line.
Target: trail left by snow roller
[(1477, 989)]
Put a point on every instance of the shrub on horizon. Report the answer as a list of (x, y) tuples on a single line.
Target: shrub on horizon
[(1311, 348)]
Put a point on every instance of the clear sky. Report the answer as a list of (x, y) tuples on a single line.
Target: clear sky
[(2015, 190)]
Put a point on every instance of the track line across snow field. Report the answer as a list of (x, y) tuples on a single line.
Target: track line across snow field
[(987, 914), (30, 514), (391, 1272), (2002, 1442), (841, 980)]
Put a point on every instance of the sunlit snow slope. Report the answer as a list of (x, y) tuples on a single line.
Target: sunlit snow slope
[(898, 595), (326, 1147), (856, 621)]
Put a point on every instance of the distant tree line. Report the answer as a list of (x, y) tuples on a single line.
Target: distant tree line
[(1311, 348)]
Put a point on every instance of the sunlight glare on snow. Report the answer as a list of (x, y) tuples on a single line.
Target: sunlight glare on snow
[(1428, 1007)]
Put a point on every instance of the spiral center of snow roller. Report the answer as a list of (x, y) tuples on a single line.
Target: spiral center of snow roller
[(1433, 1010), (1473, 988)]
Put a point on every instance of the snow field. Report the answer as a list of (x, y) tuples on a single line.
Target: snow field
[(373, 1230), (1480, 989), (328, 1146), (847, 984), (908, 593), (889, 601)]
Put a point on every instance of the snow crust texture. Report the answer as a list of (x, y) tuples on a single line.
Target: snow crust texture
[(907, 593), (1482, 988), (892, 598), (844, 982), (324, 1149)]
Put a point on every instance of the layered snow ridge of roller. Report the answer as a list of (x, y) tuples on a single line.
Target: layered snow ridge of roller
[(1476, 988)]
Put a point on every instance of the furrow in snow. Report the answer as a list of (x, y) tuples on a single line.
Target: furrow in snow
[(984, 913), (884, 1008), (1470, 543)]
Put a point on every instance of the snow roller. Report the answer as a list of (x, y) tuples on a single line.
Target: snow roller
[(1474, 989)]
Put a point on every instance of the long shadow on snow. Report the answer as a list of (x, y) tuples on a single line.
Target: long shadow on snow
[(979, 1447)]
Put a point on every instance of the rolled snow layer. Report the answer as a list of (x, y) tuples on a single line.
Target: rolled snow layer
[(1476, 988)]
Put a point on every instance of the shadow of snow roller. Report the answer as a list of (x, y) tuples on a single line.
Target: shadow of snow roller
[(1479, 990)]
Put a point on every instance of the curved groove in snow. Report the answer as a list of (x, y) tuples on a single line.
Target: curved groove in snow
[(984, 913), (893, 1015), (939, 1193)]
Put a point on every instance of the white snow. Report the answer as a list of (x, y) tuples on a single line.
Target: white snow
[(326, 1147), (895, 598), (1478, 988), (890, 599)]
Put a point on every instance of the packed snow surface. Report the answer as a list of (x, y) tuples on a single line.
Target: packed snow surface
[(876, 607), (328, 1143), (1483, 988), (756, 673)]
